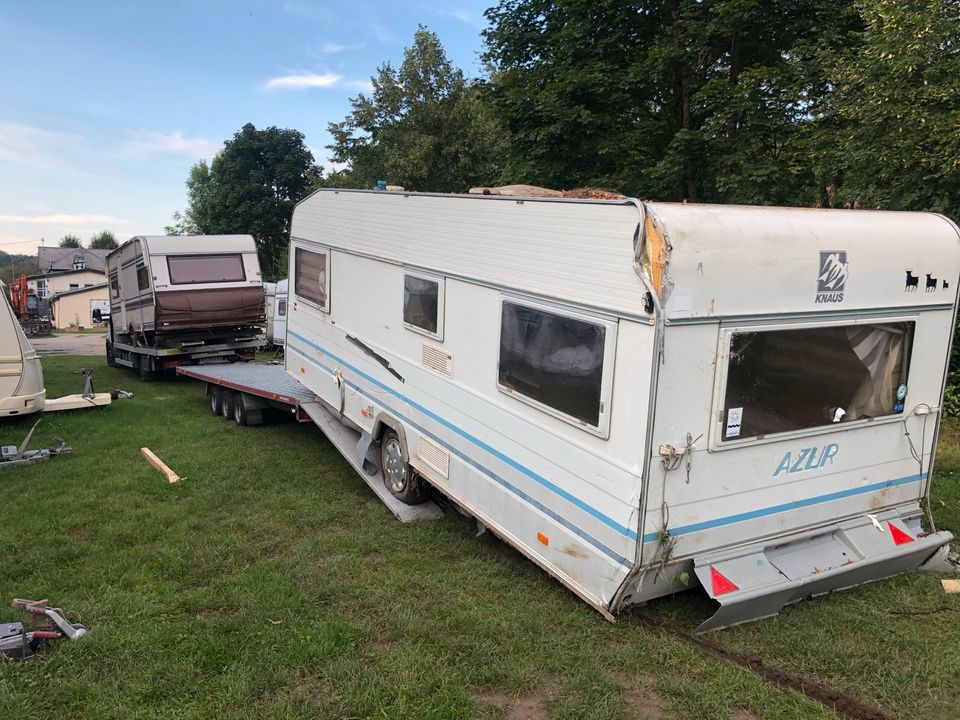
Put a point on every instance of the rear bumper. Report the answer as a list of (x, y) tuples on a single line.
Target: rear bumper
[(756, 582)]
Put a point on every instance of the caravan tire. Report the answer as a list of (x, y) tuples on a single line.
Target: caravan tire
[(400, 479)]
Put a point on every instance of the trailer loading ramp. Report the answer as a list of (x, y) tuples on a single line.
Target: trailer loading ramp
[(272, 383)]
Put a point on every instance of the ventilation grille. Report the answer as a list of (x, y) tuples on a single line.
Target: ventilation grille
[(438, 360), (433, 455)]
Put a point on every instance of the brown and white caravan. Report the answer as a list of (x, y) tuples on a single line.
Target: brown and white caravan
[(181, 300)]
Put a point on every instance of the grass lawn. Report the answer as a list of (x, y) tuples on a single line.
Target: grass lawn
[(272, 584)]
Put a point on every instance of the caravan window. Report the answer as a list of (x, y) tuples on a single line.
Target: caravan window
[(193, 269), (423, 305), (143, 277), (311, 277), (555, 360), (783, 380)]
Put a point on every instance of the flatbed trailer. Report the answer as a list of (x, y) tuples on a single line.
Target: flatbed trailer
[(245, 392)]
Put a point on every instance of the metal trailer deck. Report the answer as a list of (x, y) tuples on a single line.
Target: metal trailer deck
[(272, 384)]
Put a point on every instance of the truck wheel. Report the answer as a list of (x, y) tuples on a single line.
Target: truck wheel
[(143, 369), (111, 361), (239, 410), (398, 477), (216, 400), (226, 404)]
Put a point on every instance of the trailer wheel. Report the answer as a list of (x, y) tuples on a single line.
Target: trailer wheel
[(226, 404), (239, 410), (216, 400), (398, 477), (111, 361)]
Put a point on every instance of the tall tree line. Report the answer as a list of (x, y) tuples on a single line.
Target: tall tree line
[(793, 102)]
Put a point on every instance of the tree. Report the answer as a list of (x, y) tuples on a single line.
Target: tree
[(70, 241), (104, 240), (424, 127), (674, 99), (250, 188), (895, 109)]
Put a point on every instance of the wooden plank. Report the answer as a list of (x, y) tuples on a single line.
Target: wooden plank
[(160, 465)]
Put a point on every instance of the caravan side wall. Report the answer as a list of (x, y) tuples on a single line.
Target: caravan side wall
[(565, 494)]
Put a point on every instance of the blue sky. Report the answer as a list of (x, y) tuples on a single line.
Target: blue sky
[(105, 105)]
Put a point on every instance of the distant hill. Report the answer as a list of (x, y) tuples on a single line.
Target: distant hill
[(19, 264)]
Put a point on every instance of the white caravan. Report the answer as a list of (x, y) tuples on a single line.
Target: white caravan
[(21, 376), (276, 311), (640, 396), (183, 299)]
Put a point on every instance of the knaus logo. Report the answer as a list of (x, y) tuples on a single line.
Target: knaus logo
[(833, 276)]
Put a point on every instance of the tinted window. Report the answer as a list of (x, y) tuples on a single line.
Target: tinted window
[(783, 380), (143, 279), (282, 308), (421, 298), (188, 269), (310, 279), (554, 359)]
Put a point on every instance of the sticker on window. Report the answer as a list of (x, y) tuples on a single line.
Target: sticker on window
[(733, 421)]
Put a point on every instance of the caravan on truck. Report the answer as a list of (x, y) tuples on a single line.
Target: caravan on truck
[(641, 397), (183, 299)]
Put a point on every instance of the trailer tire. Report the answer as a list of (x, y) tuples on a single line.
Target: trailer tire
[(216, 400), (400, 479), (111, 361), (239, 410), (226, 404)]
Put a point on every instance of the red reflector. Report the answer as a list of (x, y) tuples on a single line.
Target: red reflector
[(720, 584), (899, 536)]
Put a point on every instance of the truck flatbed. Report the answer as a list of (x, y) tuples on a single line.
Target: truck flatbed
[(271, 383)]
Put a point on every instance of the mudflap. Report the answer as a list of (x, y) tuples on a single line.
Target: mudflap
[(757, 581)]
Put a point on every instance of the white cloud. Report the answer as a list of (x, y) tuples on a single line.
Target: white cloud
[(301, 80), (384, 34), (64, 219), (304, 80), (149, 142), (37, 147), (464, 16)]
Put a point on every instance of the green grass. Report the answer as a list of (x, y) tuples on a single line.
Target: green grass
[(271, 584)]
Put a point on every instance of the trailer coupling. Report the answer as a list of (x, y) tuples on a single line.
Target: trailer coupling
[(757, 581)]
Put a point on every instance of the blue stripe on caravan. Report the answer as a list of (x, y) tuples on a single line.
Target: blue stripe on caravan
[(610, 522), (785, 507), (497, 478)]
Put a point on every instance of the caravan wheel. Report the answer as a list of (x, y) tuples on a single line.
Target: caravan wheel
[(398, 477)]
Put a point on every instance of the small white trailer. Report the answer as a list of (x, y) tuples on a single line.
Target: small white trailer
[(276, 312), (21, 376), (182, 299), (641, 396)]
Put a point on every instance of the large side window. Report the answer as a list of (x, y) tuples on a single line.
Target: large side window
[(423, 304), (193, 269), (554, 360), (786, 380), (312, 277)]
